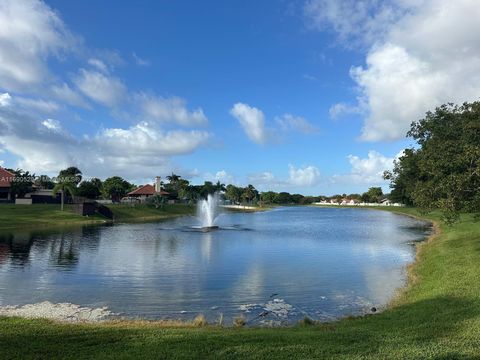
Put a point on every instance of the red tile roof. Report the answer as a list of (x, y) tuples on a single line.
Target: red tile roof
[(145, 190), (6, 177)]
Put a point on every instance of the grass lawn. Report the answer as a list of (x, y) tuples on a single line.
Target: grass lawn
[(143, 212), (436, 317), (41, 215)]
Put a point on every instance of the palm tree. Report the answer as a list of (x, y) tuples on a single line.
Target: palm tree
[(72, 174), (219, 186), (173, 179), (63, 186)]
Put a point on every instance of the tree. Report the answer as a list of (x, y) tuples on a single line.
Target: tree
[(207, 188), (443, 170), (249, 193), (21, 183), (219, 187), (64, 185), (91, 189), (44, 182), (403, 178), (373, 195), (268, 197), (283, 198), (71, 174), (233, 193), (115, 188)]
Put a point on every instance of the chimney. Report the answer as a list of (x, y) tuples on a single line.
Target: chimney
[(158, 184)]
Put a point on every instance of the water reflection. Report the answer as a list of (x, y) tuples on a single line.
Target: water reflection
[(322, 262)]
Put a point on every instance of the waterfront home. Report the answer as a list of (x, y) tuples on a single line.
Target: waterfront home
[(142, 193), (6, 178)]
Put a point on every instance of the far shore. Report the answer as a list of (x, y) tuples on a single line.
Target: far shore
[(45, 216)]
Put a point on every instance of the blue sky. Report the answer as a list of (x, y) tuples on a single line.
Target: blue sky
[(308, 96)]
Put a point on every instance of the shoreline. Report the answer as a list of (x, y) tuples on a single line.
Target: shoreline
[(68, 312)]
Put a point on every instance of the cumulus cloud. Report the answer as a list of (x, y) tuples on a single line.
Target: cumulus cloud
[(5, 99), (33, 122), (367, 170), (52, 124), (223, 176), (252, 121), (100, 87), (169, 110), (30, 32), (289, 122), (420, 56), (341, 109), (307, 176), (265, 178), (43, 146), (302, 177), (146, 139)]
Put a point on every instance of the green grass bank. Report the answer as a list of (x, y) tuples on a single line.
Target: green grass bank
[(143, 212), (42, 215), (436, 317), (49, 215)]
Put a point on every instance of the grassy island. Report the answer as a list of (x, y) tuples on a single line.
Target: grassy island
[(436, 317)]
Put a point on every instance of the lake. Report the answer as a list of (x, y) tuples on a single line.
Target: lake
[(272, 267)]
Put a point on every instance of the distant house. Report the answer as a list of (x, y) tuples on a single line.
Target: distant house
[(6, 178), (386, 202), (144, 192)]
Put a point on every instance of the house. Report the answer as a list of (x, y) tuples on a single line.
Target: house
[(6, 178), (144, 192), (386, 202)]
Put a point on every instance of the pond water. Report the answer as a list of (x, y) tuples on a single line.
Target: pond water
[(271, 267)]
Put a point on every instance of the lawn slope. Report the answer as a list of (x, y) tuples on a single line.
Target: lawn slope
[(41, 215)]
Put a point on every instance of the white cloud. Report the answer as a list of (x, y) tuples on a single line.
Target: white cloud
[(264, 178), (422, 54), (147, 139), (30, 32), (5, 99), (341, 109), (355, 22), (367, 170), (140, 61), (65, 93), (52, 124), (102, 88), (223, 176), (289, 122), (42, 146), (297, 180), (44, 106), (171, 110), (98, 64), (307, 176), (252, 121)]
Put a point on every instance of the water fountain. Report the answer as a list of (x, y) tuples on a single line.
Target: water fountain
[(207, 211)]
